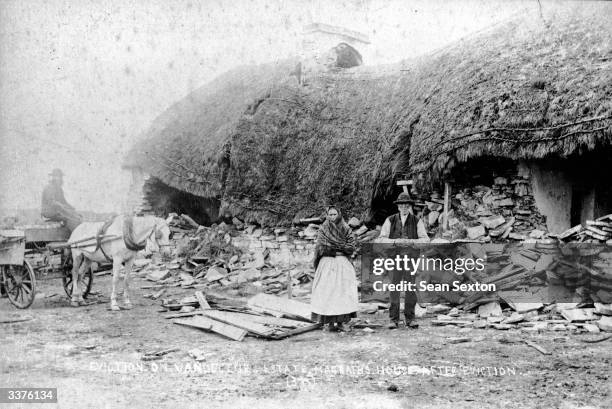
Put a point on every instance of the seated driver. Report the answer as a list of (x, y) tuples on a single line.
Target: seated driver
[(54, 205)]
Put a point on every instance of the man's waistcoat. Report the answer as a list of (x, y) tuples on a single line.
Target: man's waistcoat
[(407, 231)]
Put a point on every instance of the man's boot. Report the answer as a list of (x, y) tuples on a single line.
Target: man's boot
[(393, 325)]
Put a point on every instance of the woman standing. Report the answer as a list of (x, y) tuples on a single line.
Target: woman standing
[(334, 289)]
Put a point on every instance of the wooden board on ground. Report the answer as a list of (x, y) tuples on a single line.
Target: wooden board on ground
[(297, 331), (240, 320), (205, 323), (266, 327), (289, 308), (202, 300)]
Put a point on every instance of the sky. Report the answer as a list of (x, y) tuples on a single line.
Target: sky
[(81, 80)]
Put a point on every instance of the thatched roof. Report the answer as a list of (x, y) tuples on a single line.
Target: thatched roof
[(184, 144), (272, 146), (534, 87)]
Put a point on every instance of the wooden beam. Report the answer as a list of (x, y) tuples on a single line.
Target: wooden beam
[(297, 331), (538, 348), (202, 300), (240, 320), (289, 289), (290, 308), (205, 323), (447, 194)]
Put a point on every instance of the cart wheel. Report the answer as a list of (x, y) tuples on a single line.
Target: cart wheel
[(20, 284), (85, 282)]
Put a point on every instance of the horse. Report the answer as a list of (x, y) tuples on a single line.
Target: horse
[(122, 240)]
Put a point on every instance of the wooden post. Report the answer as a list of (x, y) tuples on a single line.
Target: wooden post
[(289, 295), (447, 193)]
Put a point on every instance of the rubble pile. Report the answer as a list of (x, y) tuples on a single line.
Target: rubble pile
[(496, 213), (594, 231), (527, 317), (253, 281), (236, 258), (243, 259)]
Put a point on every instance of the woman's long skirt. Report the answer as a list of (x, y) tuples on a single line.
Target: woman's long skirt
[(334, 291)]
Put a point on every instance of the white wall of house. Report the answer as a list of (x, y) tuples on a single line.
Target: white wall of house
[(552, 191)]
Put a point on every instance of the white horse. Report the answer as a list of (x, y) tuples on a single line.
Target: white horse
[(152, 232)]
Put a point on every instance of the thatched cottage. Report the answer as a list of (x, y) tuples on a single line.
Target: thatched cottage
[(531, 96)]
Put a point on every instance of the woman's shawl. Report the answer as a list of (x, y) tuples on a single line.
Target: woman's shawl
[(332, 238)]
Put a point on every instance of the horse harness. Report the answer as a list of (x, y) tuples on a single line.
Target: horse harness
[(128, 235)]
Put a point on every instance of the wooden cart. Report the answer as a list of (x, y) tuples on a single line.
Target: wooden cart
[(18, 281), (19, 249)]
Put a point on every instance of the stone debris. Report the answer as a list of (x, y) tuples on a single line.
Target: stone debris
[(593, 231), (504, 211), (231, 264)]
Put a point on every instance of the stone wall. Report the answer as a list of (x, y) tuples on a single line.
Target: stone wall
[(283, 250)]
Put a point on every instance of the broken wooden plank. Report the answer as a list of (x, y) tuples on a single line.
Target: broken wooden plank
[(290, 333), (202, 300), (450, 322), (570, 232), (538, 348), (277, 321), (590, 232), (290, 308), (183, 314), (238, 320), (205, 323)]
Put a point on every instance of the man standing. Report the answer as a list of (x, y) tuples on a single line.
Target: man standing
[(54, 205), (403, 225)]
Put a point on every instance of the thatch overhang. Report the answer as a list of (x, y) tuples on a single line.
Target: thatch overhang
[(535, 87)]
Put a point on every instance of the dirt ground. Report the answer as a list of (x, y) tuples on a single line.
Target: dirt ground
[(93, 356)]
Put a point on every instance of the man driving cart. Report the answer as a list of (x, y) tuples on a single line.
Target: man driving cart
[(54, 205)]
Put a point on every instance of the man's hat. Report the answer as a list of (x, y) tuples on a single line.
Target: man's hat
[(56, 172), (404, 198)]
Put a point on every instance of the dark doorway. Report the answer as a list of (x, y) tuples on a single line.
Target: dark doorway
[(164, 199)]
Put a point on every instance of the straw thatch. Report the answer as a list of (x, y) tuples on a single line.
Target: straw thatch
[(274, 143), (273, 147), (536, 87)]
